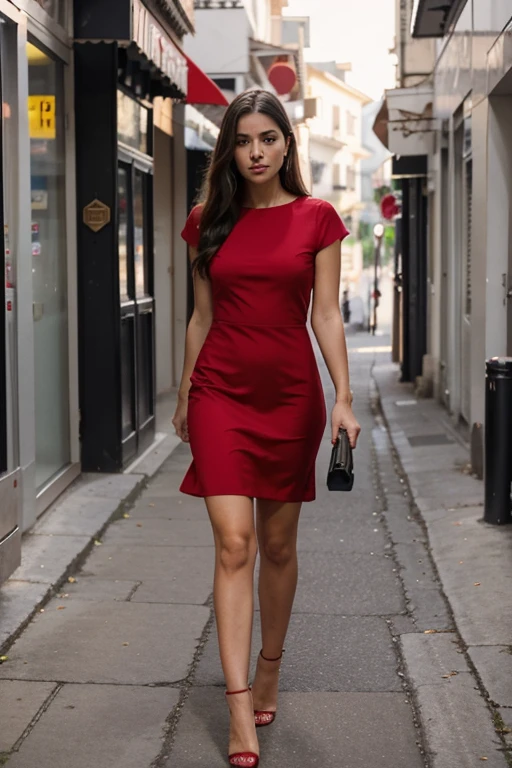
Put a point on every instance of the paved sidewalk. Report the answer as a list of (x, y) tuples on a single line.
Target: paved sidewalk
[(122, 666), (63, 536), (473, 559)]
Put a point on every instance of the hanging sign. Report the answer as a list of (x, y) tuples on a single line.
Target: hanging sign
[(96, 215), (42, 117)]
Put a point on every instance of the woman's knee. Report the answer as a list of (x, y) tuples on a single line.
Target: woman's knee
[(279, 551), (236, 551)]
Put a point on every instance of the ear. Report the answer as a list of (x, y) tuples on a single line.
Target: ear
[(288, 142)]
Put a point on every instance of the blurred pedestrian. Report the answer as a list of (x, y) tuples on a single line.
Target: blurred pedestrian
[(250, 400), (345, 307)]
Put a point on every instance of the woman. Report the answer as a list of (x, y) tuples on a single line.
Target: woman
[(250, 400)]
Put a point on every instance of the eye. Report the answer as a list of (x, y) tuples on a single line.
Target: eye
[(241, 142), (270, 139)]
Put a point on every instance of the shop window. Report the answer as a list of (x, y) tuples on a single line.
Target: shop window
[(49, 262), (132, 123)]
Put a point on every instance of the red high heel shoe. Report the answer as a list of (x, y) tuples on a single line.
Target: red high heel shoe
[(263, 717), (243, 759)]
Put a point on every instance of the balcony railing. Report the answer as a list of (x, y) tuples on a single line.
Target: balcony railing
[(202, 5)]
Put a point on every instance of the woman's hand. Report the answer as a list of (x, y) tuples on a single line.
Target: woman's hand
[(180, 418), (342, 417)]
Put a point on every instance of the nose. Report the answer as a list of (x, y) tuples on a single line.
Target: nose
[(256, 150)]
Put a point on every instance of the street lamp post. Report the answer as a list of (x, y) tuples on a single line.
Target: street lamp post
[(378, 233)]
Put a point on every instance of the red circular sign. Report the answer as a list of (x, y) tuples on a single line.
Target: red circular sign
[(389, 207), (282, 76)]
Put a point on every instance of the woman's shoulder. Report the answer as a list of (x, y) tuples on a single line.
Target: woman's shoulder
[(190, 232), (195, 213), (319, 205)]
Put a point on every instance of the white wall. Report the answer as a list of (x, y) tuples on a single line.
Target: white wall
[(221, 43), (179, 251), (499, 234), (345, 145), (162, 184), (259, 14)]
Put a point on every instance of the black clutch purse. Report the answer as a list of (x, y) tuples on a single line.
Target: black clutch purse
[(340, 476)]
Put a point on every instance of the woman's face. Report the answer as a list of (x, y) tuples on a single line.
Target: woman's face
[(260, 148)]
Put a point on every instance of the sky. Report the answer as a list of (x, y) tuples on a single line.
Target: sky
[(359, 31)]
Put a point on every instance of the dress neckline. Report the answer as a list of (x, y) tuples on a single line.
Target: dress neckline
[(273, 207)]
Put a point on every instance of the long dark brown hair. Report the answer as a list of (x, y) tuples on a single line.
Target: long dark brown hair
[(222, 191)]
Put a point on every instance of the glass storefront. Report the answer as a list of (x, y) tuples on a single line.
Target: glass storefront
[(8, 216), (49, 268)]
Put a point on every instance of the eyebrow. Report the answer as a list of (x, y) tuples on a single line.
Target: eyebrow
[(263, 133)]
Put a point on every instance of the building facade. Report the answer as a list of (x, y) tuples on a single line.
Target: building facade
[(334, 112), (94, 290), (460, 125), (39, 442)]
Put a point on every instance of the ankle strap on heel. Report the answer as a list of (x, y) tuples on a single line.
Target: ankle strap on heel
[(278, 658), (234, 693)]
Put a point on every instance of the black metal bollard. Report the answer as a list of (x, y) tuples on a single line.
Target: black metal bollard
[(498, 441)]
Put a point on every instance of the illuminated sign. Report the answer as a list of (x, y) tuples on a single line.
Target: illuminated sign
[(42, 117)]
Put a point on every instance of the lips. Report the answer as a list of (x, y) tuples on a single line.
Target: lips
[(258, 168)]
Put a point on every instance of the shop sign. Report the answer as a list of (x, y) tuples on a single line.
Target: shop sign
[(154, 42), (96, 215), (41, 117)]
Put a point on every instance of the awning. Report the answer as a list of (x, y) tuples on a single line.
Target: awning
[(200, 88), (150, 60), (405, 123), (433, 18)]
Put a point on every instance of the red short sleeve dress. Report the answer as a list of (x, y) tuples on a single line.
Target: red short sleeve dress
[(256, 408)]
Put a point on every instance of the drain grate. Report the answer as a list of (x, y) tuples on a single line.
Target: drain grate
[(420, 441)]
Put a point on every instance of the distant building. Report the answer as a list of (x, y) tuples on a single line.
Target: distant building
[(335, 112), (373, 165)]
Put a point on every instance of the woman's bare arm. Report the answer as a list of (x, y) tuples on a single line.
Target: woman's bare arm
[(328, 328), (198, 327)]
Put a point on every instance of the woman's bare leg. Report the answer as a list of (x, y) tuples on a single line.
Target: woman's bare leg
[(277, 525), (232, 519)]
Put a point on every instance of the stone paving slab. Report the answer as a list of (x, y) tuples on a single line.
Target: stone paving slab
[(45, 559), (312, 729), (99, 725), (106, 486), (494, 664), (345, 536), (161, 533), (358, 505), (165, 485), (323, 653), (334, 584), (93, 589), (21, 701), (456, 720), (77, 517), (80, 644), (160, 568), (181, 508), (472, 554), (18, 599)]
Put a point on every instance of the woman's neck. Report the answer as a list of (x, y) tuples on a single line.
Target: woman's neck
[(266, 195)]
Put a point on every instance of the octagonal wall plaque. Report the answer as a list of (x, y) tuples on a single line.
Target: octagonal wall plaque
[(96, 215)]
